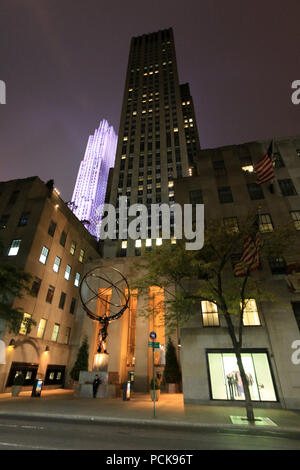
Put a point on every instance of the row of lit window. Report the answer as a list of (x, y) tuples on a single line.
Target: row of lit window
[(42, 328), (211, 317), (147, 243)]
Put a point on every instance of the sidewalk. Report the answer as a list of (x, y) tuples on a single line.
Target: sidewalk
[(170, 411)]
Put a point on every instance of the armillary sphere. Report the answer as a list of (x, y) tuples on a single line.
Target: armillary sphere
[(104, 294)]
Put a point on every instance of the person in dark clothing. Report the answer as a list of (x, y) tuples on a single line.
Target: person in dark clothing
[(96, 383)]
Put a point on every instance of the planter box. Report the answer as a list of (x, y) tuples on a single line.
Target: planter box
[(156, 393), (15, 390)]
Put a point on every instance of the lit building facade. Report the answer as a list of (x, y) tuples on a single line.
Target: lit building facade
[(90, 188), (158, 137), (226, 185), (42, 236)]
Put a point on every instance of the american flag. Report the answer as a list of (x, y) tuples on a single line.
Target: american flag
[(250, 257), (264, 169)]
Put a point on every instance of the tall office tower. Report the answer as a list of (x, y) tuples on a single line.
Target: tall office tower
[(190, 127), (152, 146), (91, 183)]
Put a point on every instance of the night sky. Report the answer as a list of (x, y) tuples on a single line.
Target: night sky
[(64, 64)]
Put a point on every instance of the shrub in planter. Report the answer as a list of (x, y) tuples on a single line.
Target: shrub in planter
[(82, 361), (172, 374)]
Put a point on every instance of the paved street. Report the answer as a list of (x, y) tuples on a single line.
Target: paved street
[(60, 420), (41, 435)]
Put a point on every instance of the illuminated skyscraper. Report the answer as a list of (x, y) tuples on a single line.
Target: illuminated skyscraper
[(90, 187), (158, 138)]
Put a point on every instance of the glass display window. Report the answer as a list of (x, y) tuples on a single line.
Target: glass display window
[(225, 378)]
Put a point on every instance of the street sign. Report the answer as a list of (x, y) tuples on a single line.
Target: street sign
[(153, 345), (152, 335)]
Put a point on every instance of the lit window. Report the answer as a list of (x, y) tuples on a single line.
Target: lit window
[(55, 332), (248, 168), (56, 264), (265, 223), (296, 219), (251, 317), (124, 245), (73, 248), (44, 255), (138, 243), (81, 256), (41, 328), (209, 313), (24, 324), (67, 335), (148, 242), (67, 272), (77, 279), (158, 241), (14, 248)]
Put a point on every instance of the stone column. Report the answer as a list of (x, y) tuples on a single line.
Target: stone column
[(141, 348)]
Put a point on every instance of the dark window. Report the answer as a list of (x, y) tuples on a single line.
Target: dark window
[(277, 265), (63, 238), (225, 195), (73, 305), (52, 227), (62, 300), (179, 171), (255, 191), (23, 219), (245, 160), (279, 163), (287, 187), (35, 287), (196, 197), (13, 197), (4, 220), (219, 167), (296, 308), (50, 294)]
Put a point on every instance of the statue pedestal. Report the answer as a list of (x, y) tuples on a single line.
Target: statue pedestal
[(85, 384)]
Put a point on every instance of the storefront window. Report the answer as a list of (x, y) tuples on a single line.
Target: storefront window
[(225, 379)]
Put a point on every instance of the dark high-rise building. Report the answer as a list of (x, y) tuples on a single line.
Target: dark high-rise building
[(158, 138)]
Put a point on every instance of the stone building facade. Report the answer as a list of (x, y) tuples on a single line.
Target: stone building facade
[(41, 235)]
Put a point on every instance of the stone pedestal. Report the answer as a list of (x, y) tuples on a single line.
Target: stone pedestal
[(85, 384)]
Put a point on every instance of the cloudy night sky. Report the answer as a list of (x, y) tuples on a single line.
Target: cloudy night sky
[(64, 64)]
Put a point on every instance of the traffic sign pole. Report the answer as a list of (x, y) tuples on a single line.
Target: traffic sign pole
[(153, 345), (153, 383)]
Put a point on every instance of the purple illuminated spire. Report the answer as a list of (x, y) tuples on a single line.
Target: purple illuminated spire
[(90, 187)]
